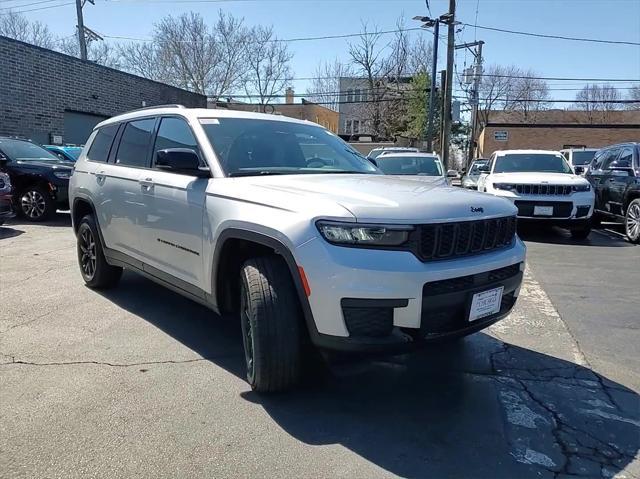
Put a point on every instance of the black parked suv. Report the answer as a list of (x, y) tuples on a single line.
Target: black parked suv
[(40, 179), (615, 176)]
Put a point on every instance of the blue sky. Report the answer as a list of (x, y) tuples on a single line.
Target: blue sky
[(606, 19)]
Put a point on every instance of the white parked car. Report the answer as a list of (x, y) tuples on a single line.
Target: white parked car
[(543, 187), (374, 153), (282, 224), (579, 158)]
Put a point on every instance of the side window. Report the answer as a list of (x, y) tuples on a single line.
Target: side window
[(174, 133), (134, 144), (611, 155), (626, 158), (99, 149)]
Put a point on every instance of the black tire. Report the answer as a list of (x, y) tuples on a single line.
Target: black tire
[(271, 322), (35, 204), (95, 270), (632, 221), (596, 221), (581, 234)]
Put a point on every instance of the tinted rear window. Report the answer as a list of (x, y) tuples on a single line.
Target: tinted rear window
[(134, 144), (99, 150), (583, 157)]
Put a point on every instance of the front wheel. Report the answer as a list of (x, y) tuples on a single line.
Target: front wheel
[(35, 204), (582, 233), (632, 221), (271, 324), (95, 270)]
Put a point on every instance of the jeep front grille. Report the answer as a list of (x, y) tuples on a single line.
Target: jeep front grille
[(543, 190), (451, 240)]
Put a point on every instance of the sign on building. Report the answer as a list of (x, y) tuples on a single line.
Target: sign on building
[(501, 135)]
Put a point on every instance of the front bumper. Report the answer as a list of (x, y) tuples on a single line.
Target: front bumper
[(6, 208), (567, 208), (386, 290)]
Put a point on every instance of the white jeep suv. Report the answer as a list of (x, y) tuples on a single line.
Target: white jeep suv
[(281, 222), (543, 187)]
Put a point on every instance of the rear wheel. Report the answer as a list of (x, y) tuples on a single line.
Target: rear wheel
[(35, 204), (582, 233), (95, 270), (632, 221), (271, 324)]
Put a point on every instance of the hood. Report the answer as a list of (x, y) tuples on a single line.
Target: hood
[(371, 198), (537, 178)]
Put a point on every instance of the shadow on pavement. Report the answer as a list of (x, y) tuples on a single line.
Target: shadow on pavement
[(7, 231), (58, 219), (476, 408), (553, 235)]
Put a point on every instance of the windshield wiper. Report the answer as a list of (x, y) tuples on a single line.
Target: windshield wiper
[(257, 173)]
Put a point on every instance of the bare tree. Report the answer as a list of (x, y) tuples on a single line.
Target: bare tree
[(420, 55), (325, 86), (634, 95), (144, 59), (496, 89), (15, 25), (100, 52), (268, 71), (529, 95), (187, 53), (598, 101)]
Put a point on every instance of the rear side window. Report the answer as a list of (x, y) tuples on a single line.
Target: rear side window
[(610, 156), (99, 149), (134, 144), (174, 133)]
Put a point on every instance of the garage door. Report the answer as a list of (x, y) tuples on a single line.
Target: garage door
[(78, 126)]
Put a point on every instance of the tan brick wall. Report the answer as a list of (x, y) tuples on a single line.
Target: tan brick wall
[(553, 138)]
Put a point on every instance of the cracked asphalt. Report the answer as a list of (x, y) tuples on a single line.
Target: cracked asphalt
[(140, 382)]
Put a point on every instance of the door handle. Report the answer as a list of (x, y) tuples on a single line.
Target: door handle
[(100, 174), (146, 183)]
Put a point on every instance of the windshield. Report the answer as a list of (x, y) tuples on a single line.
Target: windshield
[(533, 162), (19, 150), (73, 152), (410, 165), (247, 147), (583, 157), (475, 166)]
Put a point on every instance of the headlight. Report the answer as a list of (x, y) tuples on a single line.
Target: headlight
[(586, 187), (504, 186), (63, 175), (364, 235)]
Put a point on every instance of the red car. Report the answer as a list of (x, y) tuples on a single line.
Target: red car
[(6, 210)]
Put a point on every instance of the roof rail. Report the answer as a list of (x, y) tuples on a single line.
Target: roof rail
[(154, 107)]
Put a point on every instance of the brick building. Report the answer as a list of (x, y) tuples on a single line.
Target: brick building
[(558, 129), (48, 96), (305, 110)]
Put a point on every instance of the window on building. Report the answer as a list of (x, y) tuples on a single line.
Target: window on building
[(356, 126), (364, 96), (350, 95), (347, 127), (357, 94), (99, 149), (134, 144), (174, 133)]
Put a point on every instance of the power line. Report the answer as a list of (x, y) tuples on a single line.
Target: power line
[(36, 9), (555, 37), (27, 4)]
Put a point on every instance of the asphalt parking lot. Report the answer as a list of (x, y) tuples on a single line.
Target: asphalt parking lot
[(140, 382)]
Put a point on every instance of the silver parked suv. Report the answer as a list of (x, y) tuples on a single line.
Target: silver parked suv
[(280, 221)]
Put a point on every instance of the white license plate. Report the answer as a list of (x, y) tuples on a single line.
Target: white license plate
[(486, 303), (543, 210)]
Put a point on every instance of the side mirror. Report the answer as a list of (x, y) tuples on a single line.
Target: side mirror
[(181, 160), (579, 169)]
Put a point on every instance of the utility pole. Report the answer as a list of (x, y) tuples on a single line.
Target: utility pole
[(476, 73), (446, 123), (432, 92), (81, 38)]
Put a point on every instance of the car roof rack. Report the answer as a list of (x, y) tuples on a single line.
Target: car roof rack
[(155, 107)]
